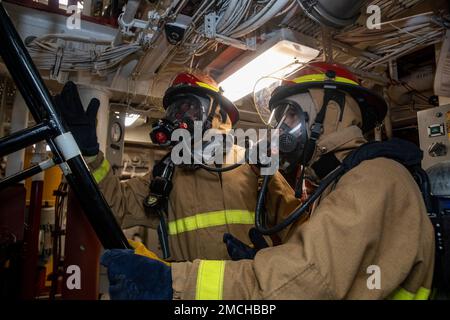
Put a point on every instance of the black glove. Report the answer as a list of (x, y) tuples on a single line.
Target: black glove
[(238, 250), (137, 274), (81, 123)]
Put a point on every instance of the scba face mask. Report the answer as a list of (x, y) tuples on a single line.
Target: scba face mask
[(180, 114), (291, 121), (188, 108)]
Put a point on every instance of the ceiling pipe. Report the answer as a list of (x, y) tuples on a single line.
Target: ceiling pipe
[(332, 13), (127, 17)]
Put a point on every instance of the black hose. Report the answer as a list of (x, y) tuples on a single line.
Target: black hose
[(260, 205)]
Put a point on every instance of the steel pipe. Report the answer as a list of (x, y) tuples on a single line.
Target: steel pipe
[(24, 138), (24, 174), (332, 13)]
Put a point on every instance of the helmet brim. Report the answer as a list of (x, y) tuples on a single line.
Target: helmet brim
[(373, 107), (225, 104)]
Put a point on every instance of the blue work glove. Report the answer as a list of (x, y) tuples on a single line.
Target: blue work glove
[(133, 275), (237, 250), (81, 123)]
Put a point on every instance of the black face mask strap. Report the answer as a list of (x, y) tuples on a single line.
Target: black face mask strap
[(317, 127), (208, 123)]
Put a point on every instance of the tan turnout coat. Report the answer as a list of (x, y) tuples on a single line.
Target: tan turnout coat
[(202, 205), (368, 236)]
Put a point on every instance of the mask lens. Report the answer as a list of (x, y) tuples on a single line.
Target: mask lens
[(187, 109), (289, 119)]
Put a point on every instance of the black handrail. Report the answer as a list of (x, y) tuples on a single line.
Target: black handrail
[(61, 142), (24, 138)]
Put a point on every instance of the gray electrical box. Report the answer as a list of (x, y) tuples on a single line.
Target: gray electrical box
[(434, 135)]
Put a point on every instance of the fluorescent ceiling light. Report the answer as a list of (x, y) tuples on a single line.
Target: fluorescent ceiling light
[(277, 60), (66, 3), (130, 119)]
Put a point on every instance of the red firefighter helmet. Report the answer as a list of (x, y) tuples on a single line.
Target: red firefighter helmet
[(185, 83), (320, 74)]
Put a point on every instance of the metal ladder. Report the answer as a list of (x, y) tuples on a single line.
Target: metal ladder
[(49, 127)]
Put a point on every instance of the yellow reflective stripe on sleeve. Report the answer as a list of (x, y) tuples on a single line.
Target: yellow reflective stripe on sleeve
[(321, 77), (211, 219), (402, 294), (210, 280), (101, 172), (207, 86)]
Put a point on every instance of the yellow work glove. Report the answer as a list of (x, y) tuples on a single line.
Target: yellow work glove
[(141, 250)]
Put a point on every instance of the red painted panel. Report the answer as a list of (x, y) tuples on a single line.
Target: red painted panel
[(12, 210), (82, 248), (29, 268), (12, 219)]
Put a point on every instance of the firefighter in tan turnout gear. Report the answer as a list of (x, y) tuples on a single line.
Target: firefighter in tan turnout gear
[(201, 205), (369, 217)]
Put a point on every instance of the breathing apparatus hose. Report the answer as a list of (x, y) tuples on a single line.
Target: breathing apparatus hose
[(223, 169), (297, 213), (316, 131)]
